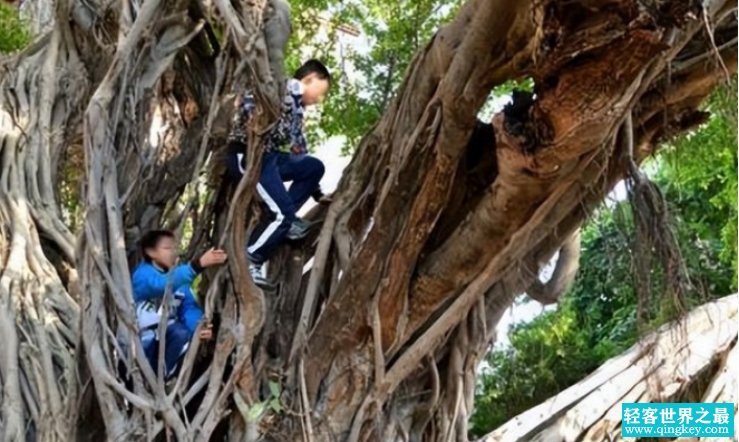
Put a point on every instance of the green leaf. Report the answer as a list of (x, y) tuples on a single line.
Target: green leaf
[(275, 405), (256, 411), (274, 389)]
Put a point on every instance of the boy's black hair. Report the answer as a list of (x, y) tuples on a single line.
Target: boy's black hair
[(151, 239), (313, 66)]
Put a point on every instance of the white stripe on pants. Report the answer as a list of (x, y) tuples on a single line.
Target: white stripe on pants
[(239, 157), (279, 217)]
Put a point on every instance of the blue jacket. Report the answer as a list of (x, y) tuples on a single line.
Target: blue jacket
[(149, 284)]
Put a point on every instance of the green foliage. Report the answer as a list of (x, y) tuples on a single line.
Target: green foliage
[(257, 411), (597, 318), (503, 93), (14, 32), (392, 31), (546, 356), (507, 88), (395, 32), (316, 34), (275, 391), (71, 175), (699, 173)]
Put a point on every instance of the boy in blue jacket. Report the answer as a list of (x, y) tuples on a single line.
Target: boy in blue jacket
[(150, 280), (285, 158)]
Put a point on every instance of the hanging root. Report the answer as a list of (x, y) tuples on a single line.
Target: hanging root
[(564, 273), (654, 237)]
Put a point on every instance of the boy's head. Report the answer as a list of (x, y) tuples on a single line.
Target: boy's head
[(159, 247), (316, 80)]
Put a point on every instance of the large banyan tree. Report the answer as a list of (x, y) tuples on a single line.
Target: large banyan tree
[(379, 319)]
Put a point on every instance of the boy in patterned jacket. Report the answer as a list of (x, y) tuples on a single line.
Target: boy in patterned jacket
[(285, 159)]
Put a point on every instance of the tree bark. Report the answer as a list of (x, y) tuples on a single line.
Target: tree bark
[(437, 224)]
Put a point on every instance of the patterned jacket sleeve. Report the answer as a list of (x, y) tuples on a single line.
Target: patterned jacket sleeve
[(298, 143), (244, 108)]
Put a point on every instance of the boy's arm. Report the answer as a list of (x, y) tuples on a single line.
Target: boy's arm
[(149, 283), (298, 143), (243, 109), (190, 311), (246, 104), (185, 274)]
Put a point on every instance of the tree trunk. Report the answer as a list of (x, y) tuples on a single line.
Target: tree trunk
[(437, 224)]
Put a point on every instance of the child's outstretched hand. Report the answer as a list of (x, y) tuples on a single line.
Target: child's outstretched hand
[(213, 257)]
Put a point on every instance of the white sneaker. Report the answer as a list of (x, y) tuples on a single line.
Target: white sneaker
[(299, 229), (256, 274)]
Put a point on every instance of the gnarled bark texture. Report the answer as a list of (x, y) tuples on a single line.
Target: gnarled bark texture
[(437, 224)]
